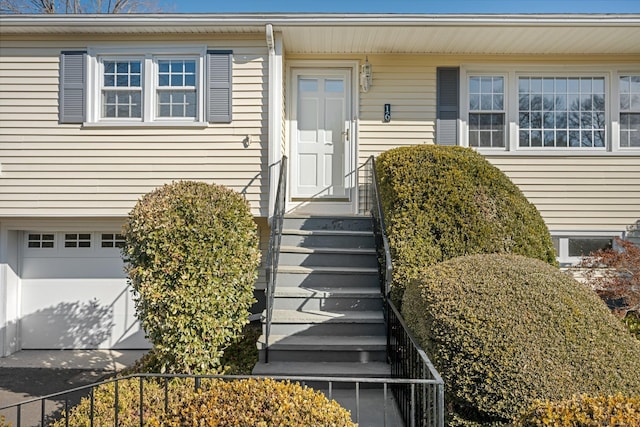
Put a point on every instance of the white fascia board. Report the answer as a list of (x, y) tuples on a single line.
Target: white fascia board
[(189, 22)]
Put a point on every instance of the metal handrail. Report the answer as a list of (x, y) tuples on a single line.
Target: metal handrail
[(273, 254), (372, 205), (405, 355)]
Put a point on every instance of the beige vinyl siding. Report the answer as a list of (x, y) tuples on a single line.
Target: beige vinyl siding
[(49, 169), (573, 193), (581, 193), (408, 83)]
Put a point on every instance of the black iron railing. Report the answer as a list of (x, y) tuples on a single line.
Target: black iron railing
[(421, 404), (273, 254), (370, 205), (140, 397)]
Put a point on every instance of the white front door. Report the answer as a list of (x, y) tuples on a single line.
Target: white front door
[(321, 135)]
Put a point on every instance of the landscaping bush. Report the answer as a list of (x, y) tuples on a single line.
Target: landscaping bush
[(258, 402), (504, 330), (192, 254), (128, 403), (443, 202), (584, 411), (251, 402)]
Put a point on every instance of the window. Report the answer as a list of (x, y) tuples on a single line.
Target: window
[(486, 111), (43, 241), (112, 240), (550, 109), (134, 86), (175, 87), (122, 89), (571, 248), (77, 240), (177, 92), (561, 112), (629, 90)]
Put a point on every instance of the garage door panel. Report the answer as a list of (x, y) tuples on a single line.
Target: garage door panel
[(75, 298), (79, 313), (81, 267)]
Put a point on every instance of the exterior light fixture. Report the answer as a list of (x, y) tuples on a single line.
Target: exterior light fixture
[(365, 75)]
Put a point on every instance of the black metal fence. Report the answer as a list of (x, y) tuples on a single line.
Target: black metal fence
[(422, 404), (132, 398)]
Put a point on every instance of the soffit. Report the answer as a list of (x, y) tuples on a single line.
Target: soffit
[(371, 33)]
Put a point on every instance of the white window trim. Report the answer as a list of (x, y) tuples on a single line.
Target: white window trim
[(511, 72), (149, 54)]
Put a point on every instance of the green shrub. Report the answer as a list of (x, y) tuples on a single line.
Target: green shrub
[(128, 403), (258, 402), (192, 253), (251, 402), (444, 202), (504, 330), (584, 411)]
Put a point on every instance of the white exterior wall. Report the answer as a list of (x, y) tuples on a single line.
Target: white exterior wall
[(49, 169)]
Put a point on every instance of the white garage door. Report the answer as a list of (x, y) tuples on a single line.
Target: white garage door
[(74, 293)]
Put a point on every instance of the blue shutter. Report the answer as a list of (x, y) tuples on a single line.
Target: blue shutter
[(219, 84), (71, 104), (448, 82)]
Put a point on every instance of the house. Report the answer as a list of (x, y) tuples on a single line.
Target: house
[(97, 110)]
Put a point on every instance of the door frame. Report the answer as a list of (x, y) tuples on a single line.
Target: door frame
[(351, 150)]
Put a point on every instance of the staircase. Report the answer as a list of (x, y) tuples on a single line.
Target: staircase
[(327, 314)]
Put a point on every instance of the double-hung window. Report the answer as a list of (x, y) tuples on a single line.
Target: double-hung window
[(486, 111), (177, 90), (121, 88), (629, 92)]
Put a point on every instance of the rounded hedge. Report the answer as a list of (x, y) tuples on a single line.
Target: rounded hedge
[(217, 403), (192, 254), (584, 411), (258, 402), (504, 330), (443, 202)]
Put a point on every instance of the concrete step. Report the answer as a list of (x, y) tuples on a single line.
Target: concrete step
[(324, 369), (295, 276), (360, 349), (328, 257), (328, 238), (340, 298), (346, 223), (316, 322)]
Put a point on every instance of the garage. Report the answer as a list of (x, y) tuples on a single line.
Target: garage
[(74, 292)]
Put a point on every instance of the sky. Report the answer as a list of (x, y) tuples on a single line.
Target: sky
[(409, 6)]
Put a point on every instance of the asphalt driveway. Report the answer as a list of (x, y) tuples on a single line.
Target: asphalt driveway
[(32, 374)]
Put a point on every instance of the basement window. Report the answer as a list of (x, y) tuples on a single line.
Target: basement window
[(571, 249)]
